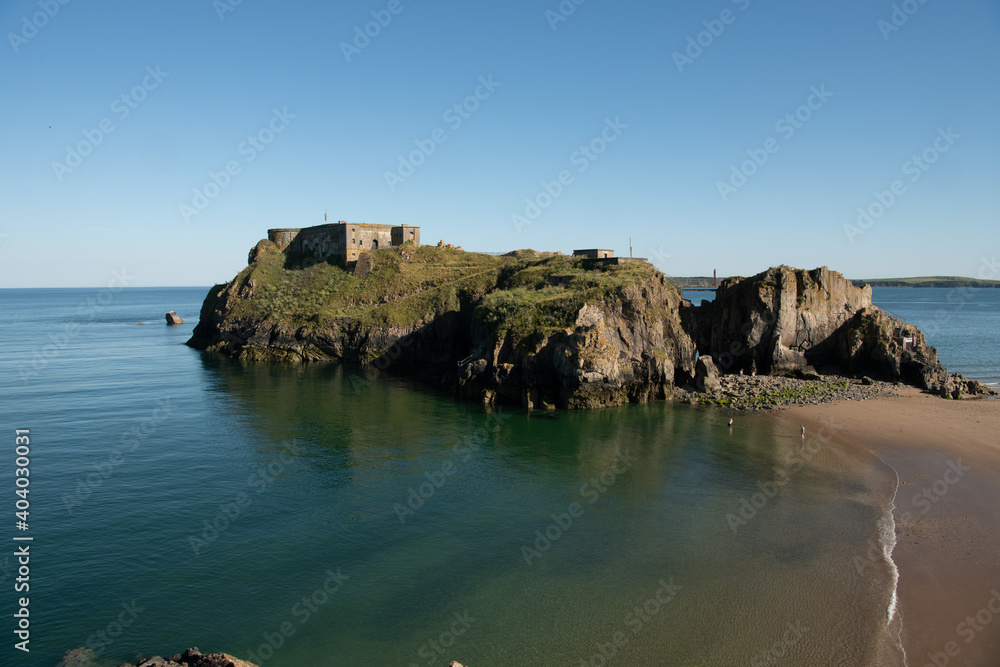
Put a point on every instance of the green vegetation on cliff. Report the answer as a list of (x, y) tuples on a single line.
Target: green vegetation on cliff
[(527, 328), (528, 294)]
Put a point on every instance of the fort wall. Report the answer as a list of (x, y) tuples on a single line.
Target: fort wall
[(344, 240)]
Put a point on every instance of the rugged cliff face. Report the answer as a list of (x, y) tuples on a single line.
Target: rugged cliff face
[(627, 346), (777, 321), (543, 330), (789, 321), (531, 329)]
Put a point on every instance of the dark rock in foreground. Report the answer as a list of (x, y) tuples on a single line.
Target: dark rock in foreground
[(84, 657), (193, 658)]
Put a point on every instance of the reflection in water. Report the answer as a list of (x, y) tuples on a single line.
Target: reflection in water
[(429, 504), (426, 504)]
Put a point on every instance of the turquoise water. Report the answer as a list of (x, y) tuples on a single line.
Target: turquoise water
[(180, 499)]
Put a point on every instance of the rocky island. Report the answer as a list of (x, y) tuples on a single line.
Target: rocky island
[(544, 330)]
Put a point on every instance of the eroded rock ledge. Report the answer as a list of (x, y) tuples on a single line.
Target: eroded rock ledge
[(763, 392)]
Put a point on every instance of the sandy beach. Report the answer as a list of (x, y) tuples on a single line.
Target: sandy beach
[(947, 457)]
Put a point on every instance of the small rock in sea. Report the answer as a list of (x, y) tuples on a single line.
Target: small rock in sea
[(78, 657), (81, 657), (173, 318), (140, 324)]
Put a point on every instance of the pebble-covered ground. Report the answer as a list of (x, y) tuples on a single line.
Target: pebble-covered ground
[(761, 392)]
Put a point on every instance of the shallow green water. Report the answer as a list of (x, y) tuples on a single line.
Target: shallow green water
[(238, 492)]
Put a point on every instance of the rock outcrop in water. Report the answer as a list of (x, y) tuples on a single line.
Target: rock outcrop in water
[(84, 657), (533, 329), (787, 321), (193, 658), (543, 330)]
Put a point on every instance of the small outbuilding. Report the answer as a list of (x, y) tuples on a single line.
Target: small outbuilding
[(595, 253)]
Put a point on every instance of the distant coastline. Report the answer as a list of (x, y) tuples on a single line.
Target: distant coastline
[(929, 281), (925, 281)]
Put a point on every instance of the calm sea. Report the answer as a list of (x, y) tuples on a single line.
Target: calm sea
[(317, 515)]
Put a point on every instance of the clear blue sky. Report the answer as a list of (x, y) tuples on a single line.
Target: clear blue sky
[(894, 93)]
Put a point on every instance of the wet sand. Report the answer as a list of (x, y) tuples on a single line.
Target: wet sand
[(947, 457)]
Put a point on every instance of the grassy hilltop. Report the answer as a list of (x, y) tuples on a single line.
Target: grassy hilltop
[(527, 293)]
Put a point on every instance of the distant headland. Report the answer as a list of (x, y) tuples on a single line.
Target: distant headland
[(930, 281)]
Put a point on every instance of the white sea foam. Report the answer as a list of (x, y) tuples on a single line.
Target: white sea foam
[(887, 539)]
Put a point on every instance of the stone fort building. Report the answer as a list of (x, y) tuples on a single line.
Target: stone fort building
[(343, 240)]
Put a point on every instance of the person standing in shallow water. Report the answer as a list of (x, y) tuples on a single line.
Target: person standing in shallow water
[(730, 422), (802, 429)]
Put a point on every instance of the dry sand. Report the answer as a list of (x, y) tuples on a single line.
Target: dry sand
[(947, 457)]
